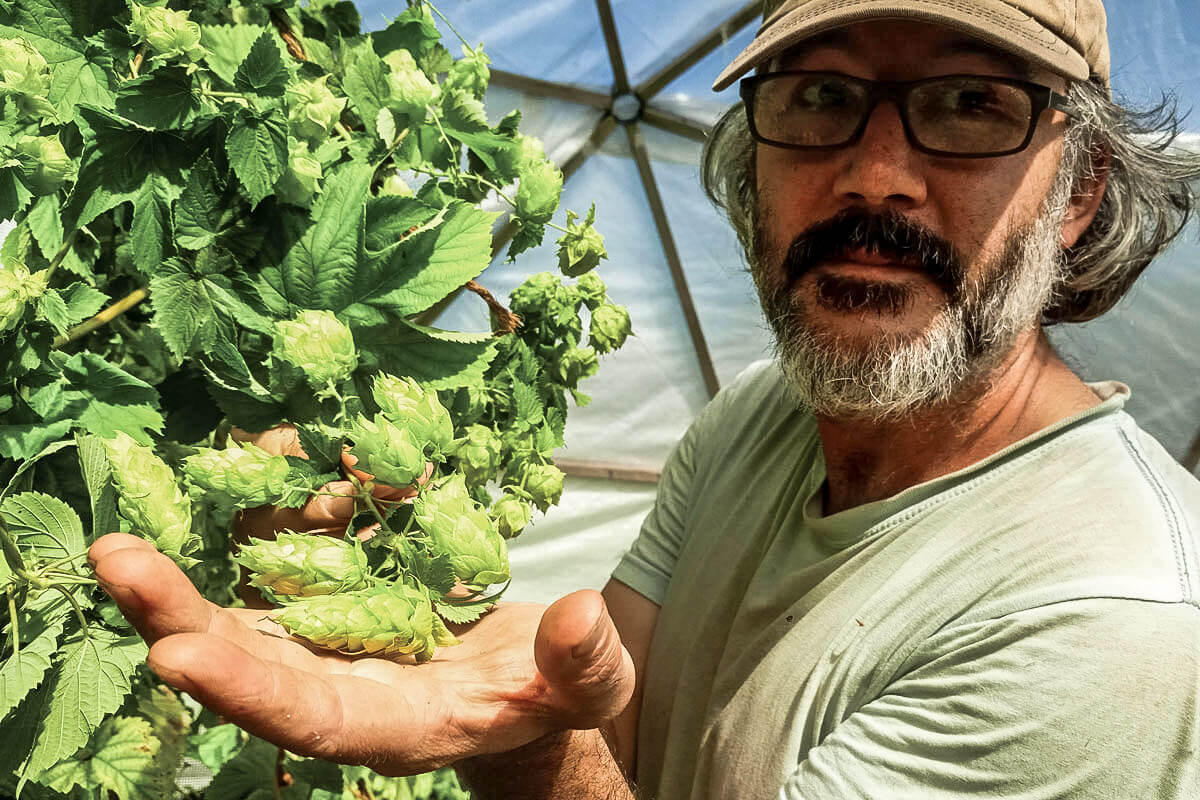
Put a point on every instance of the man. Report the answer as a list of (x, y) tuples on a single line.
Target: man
[(951, 568)]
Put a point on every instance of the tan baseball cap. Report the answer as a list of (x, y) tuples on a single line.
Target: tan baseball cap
[(1069, 37)]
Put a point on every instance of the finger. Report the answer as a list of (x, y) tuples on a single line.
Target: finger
[(579, 653), (282, 440), (115, 541)]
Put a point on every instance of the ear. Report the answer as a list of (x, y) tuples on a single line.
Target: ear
[(1085, 200)]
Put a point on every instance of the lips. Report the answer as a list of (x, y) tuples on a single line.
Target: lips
[(874, 258)]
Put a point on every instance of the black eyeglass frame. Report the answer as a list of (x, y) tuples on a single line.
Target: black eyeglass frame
[(1041, 98)]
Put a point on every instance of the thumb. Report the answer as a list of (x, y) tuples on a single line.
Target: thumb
[(578, 651)]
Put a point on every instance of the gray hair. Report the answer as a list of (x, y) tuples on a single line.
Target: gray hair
[(1150, 194)]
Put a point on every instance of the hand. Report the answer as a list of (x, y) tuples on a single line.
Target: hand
[(522, 671)]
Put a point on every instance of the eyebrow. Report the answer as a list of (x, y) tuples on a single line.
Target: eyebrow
[(839, 39)]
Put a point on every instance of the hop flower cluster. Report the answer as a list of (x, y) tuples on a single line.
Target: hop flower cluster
[(301, 180), (319, 345), (305, 565), (25, 76), (412, 91), (388, 452), (313, 109), (459, 527), (150, 499), (167, 33), (240, 476), (18, 288), (581, 248)]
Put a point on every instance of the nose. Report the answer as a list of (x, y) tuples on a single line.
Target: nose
[(882, 169)]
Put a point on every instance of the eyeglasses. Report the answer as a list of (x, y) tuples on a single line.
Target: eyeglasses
[(964, 116)]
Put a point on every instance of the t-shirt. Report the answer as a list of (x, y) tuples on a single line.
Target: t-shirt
[(1027, 627)]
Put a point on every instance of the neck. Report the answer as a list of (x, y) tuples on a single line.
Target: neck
[(1030, 390)]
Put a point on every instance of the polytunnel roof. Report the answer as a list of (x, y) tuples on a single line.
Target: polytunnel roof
[(673, 259)]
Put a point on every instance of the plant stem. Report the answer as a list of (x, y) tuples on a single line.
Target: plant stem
[(11, 554), (104, 317), (341, 128), (12, 614), (450, 25), (67, 244), (60, 577), (136, 65), (74, 605), (64, 560)]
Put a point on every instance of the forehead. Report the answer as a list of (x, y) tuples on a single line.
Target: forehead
[(900, 48)]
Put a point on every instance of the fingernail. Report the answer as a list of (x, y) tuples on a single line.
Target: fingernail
[(590, 642)]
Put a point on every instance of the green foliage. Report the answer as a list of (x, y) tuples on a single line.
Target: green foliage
[(211, 234)]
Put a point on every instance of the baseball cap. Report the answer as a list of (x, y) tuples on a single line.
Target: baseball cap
[(1069, 37)]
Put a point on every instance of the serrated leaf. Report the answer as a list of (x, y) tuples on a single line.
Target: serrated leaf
[(151, 224), (318, 271), (122, 758), (53, 309), (82, 302), (217, 745), (184, 312), (91, 683), (322, 445), (43, 525), (165, 99), (365, 82), (23, 441), (391, 219), (104, 399), (527, 405), (460, 614), (258, 151), (199, 208), (436, 359), (171, 721), (228, 46), (250, 773), (93, 462), (23, 671), (263, 71)]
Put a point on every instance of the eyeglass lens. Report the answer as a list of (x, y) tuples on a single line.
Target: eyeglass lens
[(956, 115)]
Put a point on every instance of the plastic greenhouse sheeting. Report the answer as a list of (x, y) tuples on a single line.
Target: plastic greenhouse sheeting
[(647, 393)]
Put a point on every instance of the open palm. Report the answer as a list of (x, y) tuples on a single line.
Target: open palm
[(521, 671)]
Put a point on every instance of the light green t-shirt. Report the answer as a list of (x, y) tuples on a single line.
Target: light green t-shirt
[(1025, 628)]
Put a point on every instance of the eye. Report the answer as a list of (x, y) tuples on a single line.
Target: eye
[(826, 93)]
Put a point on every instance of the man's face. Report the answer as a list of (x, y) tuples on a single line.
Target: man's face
[(891, 276)]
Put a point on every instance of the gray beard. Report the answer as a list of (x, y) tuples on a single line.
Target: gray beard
[(891, 377)]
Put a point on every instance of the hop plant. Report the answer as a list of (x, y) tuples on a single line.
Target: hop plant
[(544, 484), (539, 192), (388, 452), (575, 364), (534, 294), (417, 411), (592, 290), (319, 345), (461, 529), (167, 33), (470, 73), (18, 288), (313, 109), (412, 91), (480, 454), (51, 164), (581, 248), (609, 328), (383, 620), (305, 565), (301, 180), (25, 76), (511, 514), (240, 476), (150, 498)]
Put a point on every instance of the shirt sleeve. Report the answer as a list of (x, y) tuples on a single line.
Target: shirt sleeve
[(1094, 698)]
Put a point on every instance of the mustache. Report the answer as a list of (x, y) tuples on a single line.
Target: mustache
[(889, 234)]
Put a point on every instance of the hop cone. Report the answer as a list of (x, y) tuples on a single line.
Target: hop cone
[(411, 88), (463, 531), (575, 364), (319, 345), (479, 454), (384, 620), (609, 327), (150, 498), (581, 247), (539, 191), (51, 164), (23, 70), (301, 180), (387, 451), (240, 476), (417, 411), (592, 289), (313, 109), (544, 483), (18, 287), (305, 565), (511, 514), (167, 33)]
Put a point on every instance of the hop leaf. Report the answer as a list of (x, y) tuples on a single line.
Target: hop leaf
[(167, 33), (305, 565), (511, 514), (417, 411), (18, 288), (544, 483), (388, 452), (319, 345), (383, 620), (592, 289), (301, 180), (313, 109), (149, 497), (581, 247), (51, 164), (609, 327), (240, 476), (412, 91), (480, 454), (539, 192), (460, 528)]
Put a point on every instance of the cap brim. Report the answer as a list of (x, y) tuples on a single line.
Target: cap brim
[(994, 22)]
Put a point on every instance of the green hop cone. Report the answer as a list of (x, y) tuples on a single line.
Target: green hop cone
[(412, 91), (470, 73), (581, 247), (417, 411), (18, 288), (592, 289), (301, 180), (609, 328), (387, 451), (240, 476), (479, 454), (380, 621), (460, 528), (539, 192), (319, 345), (167, 33), (544, 484), (25, 75), (305, 565), (313, 109), (511, 514), (51, 165), (395, 185), (531, 298), (150, 498), (574, 364)]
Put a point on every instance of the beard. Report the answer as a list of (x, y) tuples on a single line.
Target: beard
[(890, 376)]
